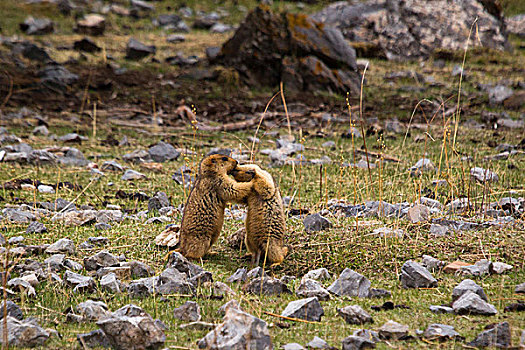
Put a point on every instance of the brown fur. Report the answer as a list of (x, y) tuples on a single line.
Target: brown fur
[(203, 215), (265, 221)]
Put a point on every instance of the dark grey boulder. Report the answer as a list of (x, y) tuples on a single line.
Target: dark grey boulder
[(37, 26), (413, 275), (189, 311), (238, 276), (311, 288), (92, 310), (93, 339), (354, 314), (239, 331), (136, 50), (307, 309), (55, 76), (23, 333), (86, 45), (466, 286), (180, 263), (268, 286), (36, 227), (99, 260), (471, 303), (393, 330), (495, 335), (350, 283), (356, 343), (12, 310), (91, 24), (316, 222), (130, 327), (63, 245), (163, 152)]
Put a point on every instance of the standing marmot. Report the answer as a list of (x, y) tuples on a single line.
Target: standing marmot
[(204, 210), (265, 221)]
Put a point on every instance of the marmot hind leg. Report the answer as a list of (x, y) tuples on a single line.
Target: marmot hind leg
[(194, 247)]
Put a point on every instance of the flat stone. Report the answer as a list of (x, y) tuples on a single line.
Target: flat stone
[(292, 346), (111, 165), (131, 175), (110, 283), (356, 343), (93, 339), (350, 283), (465, 286), (418, 213), (440, 309), (163, 152), (238, 276), (500, 267), (317, 343), (307, 309), (63, 245), (453, 267), (316, 222), (480, 268), (74, 280), (520, 288), (441, 332), (483, 175), (393, 330), (239, 330), (99, 260), (91, 24), (92, 310), (136, 50), (320, 274), (413, 275), (268, 286), (354, 314), (471, 303)]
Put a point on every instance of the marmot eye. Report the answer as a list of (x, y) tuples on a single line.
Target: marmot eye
[(224, 159)]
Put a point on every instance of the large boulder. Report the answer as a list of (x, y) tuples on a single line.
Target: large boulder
[(401, 29), (306, 55)]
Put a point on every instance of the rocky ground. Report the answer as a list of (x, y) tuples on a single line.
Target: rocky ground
[(404, 231)]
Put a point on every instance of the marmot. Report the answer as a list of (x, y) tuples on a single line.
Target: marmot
[(265, 221), (203, 214)]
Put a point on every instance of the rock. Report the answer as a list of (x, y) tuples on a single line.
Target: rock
[(354, 314), (320, 274), (73, 157), (350, 283), (92, 310), (79, 283), (139, 269), (172, 281), (317, 343), (232, 303), (109, 282), (212, 52), (453, 267), (189, 311), (167, 20), (101, 259), (159, 201), (180, 263), (12, 310), (480, 268), (137, 156), (307, 309), (55, 262), (142, 287), (238, 276), (198, 326), (93, 339), (111, 165), (40, 130), (221, 28), (86, 45), (516, 24), (499, 93), (31, 52), (440, 309), (23, 286), (495, 335), (63, 245), (520, 288), (37, 26), (393, 330), (379, 293), (131, 175), (371, 25), (176, 38), (418, 213), (500, 267), (163, 152), (255, 273), (132, 328), (138, 6), (18, 216), (55, 77), (441, 332), (304, 55), (136, 50), (356, 343), (221, 290), (268, 286), (472, 303), (239, 330), (23, 333), (432, 264), (413, 275), (36, 227), (465, 286), (388, 232), (316, 222), (91, 24), (438, 230), (45, 189), (422, 165), (311, 288), (483, 175)]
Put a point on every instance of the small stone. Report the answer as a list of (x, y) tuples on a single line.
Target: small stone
[(24, 333), (45, 189), (37, 26), (92, 310), (500, 267), (440, 309), (422, 165), (268, 286), (480, 268), (55, 262), (189, 311), (471, 303), (12, 310), (307, 309), (91, 24), (495, 335), (232, 303), (311, 288), (354, 314), (440, 332), (79, 283), (139, 269), (455, 266), (418, 213), (320, 274), (483, 175), (465, 286), (136, 50), (36, 227), (63, 245), (238, 276), (393, 330), (198, 326), (111, 165), (86, 45), (131, 175), (413, 275), (176, 38), (221, 290), (163, 152), (350, 283), (316, 222), (93, 339), (109, 282), (499, 93), (293, 346), (432, 264), (388, 232), (317, 343), (356, 343), (99, 260), (520, 288)]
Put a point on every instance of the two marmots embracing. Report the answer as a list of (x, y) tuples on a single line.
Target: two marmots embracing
[(203, 215)]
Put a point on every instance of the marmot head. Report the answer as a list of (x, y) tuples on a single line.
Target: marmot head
[(263, 182), (217, 164)]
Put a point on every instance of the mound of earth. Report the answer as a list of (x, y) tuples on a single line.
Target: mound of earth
[(305, 55), (408, 29)]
